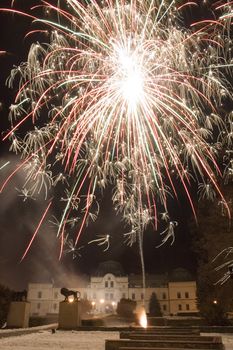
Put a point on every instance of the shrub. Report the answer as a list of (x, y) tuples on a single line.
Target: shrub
[(154, 306), (214, 314), (126, 307)]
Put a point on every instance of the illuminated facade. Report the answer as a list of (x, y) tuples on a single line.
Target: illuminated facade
[(105, 289)]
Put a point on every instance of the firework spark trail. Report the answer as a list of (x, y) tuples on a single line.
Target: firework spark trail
[(36, 231), (227, 265), (4, 165), (102, 240), (169, 232), (131, 101)]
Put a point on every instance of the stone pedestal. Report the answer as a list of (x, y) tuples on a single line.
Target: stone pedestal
[(18, 315), (69, 315)]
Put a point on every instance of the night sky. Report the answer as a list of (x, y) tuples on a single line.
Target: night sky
[(19, 218)]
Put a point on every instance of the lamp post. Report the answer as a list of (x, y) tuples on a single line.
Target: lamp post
[(113, 305), (101, 304), (93, 306)]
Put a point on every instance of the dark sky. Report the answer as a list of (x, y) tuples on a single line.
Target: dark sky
[(19, 218)]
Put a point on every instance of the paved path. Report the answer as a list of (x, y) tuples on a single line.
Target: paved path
[(70, 340), (74, 340)]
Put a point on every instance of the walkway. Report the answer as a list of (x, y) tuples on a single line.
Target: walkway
[(72, 340)]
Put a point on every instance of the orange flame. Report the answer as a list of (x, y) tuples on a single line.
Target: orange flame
[(143, 318)]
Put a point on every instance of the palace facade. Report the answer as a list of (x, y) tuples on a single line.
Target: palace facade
[(176, 292)]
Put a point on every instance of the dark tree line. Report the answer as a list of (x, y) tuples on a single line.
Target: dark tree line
[(5, 299), (211, 235)]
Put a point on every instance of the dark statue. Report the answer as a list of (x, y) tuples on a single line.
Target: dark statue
[(67, 293)]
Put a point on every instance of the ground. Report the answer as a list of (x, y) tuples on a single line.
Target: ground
[(72, 340)]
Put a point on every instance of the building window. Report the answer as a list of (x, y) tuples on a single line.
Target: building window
[(55, 295), (142, 296), (39, 295), (38, 306), (164, 296), (123, 295), (106, 284), (94, 296), (180, 307), (85, 295), (178, 295), (186, 295), (187, 307), (112, 284), (111, 296), (54, 306), (164, 307), (133, 296), (106, 296)]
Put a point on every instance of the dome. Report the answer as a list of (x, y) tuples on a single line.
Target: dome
[(110, 266)]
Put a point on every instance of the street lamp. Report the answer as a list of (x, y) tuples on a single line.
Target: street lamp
[(101, 303), (93, 306), (113, 306), (71, 299)]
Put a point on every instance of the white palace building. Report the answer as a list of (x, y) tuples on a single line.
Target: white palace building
[(176, 292)]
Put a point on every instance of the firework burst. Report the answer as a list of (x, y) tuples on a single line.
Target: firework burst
[(124, 96), (226, 266)]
